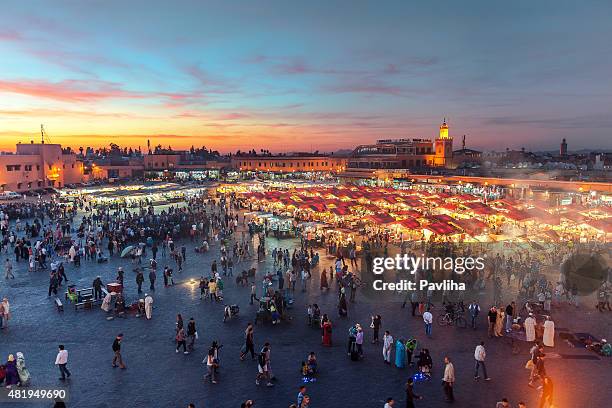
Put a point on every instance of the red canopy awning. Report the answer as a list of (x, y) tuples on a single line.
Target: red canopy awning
[(449, 206), (340, 210), (410, 213), (412, 202), (441, 228), (442, 218), (410, 223), (472, 226), (382, 218)]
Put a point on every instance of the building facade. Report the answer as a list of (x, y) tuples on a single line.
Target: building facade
[(289, 163), (404, 153), (38, 165)]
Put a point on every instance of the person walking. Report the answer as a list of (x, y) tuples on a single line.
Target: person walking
[(211, 366), (474, 309), (117, 352), (61, 361), (152, 277), (97, 286), (480, 355), (180, 340), (249, 342), (139, 280), (359, 341), (449, 379), (428, 320), (192, 333), (301, 394), (410, 395), (8, 270), (263, 368), (253, 293), (148, 304), (376, 323), (387, 345), (53, 283), (1, 316), (492, 318), (510, 316)]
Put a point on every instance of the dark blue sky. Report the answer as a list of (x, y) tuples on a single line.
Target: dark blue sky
[(320, 74)]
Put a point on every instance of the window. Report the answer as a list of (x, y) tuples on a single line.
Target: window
[(38, 167), (28, 167), (50, 167), (9, 167)]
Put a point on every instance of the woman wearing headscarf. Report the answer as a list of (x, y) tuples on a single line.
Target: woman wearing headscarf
[(499, 323), (400, 353), (342, 308), (12, 377), (326, 327), (22, 371)]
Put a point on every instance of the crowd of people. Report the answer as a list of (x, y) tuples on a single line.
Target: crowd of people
[(53, 240)]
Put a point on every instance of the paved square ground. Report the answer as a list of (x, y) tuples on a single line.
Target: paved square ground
[(158, 377)]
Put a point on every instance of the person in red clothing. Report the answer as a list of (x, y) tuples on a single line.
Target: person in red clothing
[(326, 328)]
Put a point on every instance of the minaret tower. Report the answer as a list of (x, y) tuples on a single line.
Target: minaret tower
[(563, 149), (443, 146)]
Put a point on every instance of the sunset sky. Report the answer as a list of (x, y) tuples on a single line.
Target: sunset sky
[(306, 75)]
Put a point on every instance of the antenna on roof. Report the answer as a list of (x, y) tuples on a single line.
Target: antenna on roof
[(43, 134)]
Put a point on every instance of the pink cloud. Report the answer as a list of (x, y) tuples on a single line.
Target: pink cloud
[(234, 116), (71, 90), (68, 90), (296, 66), (10, 36), (365, 88)]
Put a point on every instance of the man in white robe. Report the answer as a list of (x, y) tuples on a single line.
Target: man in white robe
[(148, 300), (530, 324), (72, 253), (106, 303), (549, 332)]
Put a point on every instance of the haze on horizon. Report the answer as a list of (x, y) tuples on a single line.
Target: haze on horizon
[(315, 75)]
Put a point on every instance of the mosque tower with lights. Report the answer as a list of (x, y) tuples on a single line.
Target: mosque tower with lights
[(443, 146)]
